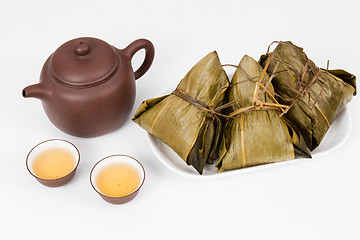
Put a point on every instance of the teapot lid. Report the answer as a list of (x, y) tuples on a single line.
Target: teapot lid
[(84, 62)]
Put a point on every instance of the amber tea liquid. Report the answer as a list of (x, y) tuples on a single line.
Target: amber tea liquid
[(117, 180), (53, 163)]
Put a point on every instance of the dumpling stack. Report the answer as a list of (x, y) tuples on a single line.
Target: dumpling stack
[(271, 111)]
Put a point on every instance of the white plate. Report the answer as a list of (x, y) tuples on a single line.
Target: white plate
[(335, 137)]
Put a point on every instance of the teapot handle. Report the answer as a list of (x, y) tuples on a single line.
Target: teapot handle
[(149, 55)]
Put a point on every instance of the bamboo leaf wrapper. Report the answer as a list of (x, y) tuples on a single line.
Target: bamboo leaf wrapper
[(253, 137), (316, 96), (190, 132)]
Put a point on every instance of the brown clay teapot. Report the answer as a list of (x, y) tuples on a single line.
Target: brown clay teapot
[(87, 87)]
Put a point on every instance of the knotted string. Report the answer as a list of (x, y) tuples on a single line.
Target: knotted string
[(302, 88), (257, 104), (213, 111)]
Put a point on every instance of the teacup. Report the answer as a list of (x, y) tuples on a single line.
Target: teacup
[(117, 178), (53, 162)]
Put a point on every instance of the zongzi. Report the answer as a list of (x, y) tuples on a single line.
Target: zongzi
[(186, 120), (315, 96), (254, 133)]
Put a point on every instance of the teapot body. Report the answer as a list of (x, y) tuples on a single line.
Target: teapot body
[(91, 111), (95, 109)]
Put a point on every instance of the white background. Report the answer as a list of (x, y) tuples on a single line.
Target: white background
[(309, 199)]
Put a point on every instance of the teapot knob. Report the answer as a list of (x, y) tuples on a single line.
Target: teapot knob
[(81, 48)]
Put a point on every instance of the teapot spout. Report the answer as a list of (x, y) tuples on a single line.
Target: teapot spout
[(38, 90)]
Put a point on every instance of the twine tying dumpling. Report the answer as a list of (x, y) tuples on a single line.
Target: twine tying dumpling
[(259, 105), (214, 112), (302, 88)]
